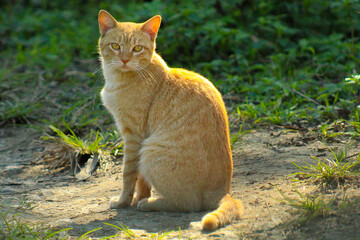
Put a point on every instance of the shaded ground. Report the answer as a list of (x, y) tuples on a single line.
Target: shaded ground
[(262, 163)]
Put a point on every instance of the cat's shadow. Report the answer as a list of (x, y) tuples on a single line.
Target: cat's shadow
[(150, 222)]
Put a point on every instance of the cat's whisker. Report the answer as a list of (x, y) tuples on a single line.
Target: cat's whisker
[(151, 75), (151, 79), (140, 74), (147, 79), (114, 64), (95, 72), (146, 76), (96, 69)]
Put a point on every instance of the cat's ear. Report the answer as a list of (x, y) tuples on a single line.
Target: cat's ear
[(152, 26), (106, 22)]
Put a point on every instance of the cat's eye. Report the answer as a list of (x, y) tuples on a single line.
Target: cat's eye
[(115, 46), (138, 48)]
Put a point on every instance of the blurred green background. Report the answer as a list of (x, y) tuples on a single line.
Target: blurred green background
[(276, 62)]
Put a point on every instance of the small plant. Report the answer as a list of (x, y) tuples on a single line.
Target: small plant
[(355, 123), (17, 113), (247, 112), (326, 132), (234, 138), (69, 149), (12, 227), (331, 172), (355, 81), (91, 231), (312, 206), (131, 235), (82, 146), (126, 233)]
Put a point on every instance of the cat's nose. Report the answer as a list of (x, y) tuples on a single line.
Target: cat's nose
[(125, 61)]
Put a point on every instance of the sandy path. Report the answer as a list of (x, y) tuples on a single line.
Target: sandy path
[(262, 163)]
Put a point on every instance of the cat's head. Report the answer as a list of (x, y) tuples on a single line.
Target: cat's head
[(127, 46)]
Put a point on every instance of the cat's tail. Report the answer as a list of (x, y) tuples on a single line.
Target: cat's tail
[(229, 209)]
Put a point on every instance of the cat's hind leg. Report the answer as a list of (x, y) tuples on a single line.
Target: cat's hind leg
[(156, 204), (143, 190)]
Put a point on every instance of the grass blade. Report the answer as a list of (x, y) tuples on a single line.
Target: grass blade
[(87, 233)]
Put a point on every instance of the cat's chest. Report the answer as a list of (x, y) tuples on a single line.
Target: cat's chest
[(117, 101), (129, 107), (111, 100)]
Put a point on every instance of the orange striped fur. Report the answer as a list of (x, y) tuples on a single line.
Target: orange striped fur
[(174, 124)]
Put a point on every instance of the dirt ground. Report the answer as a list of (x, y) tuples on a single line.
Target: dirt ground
[(262, 163)]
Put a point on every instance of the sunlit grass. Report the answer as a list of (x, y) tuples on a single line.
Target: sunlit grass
[(13, 227), (83, 146), (309, 206), (236, 137), (18, 112), (279, 78), (331, 171), (64, 150)]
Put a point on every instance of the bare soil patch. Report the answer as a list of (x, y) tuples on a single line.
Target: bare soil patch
[(262, 163)]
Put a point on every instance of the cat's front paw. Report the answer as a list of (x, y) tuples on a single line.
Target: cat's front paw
[(117, 202)]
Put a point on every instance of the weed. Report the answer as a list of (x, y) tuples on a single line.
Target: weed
[(79, 145), (66, 150), (12, 227), (354, 80), (310, 207), (131, 235), (331, 172), (327, 134), (264, 52), (18, 112), (234, 138), (355, 123), (126, 233)]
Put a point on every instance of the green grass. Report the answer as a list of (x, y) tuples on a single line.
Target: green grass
[(288, 63), (326, 133), (236, 137), (18, 112), (77, 144), (129, 234), (331, 172), (69, 150), (12, 227), (309, 206)]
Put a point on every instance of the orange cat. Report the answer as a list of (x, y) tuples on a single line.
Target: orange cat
[(174, 124)]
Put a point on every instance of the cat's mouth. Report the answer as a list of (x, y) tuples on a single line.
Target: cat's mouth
[(122, 67), (125, 68)]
